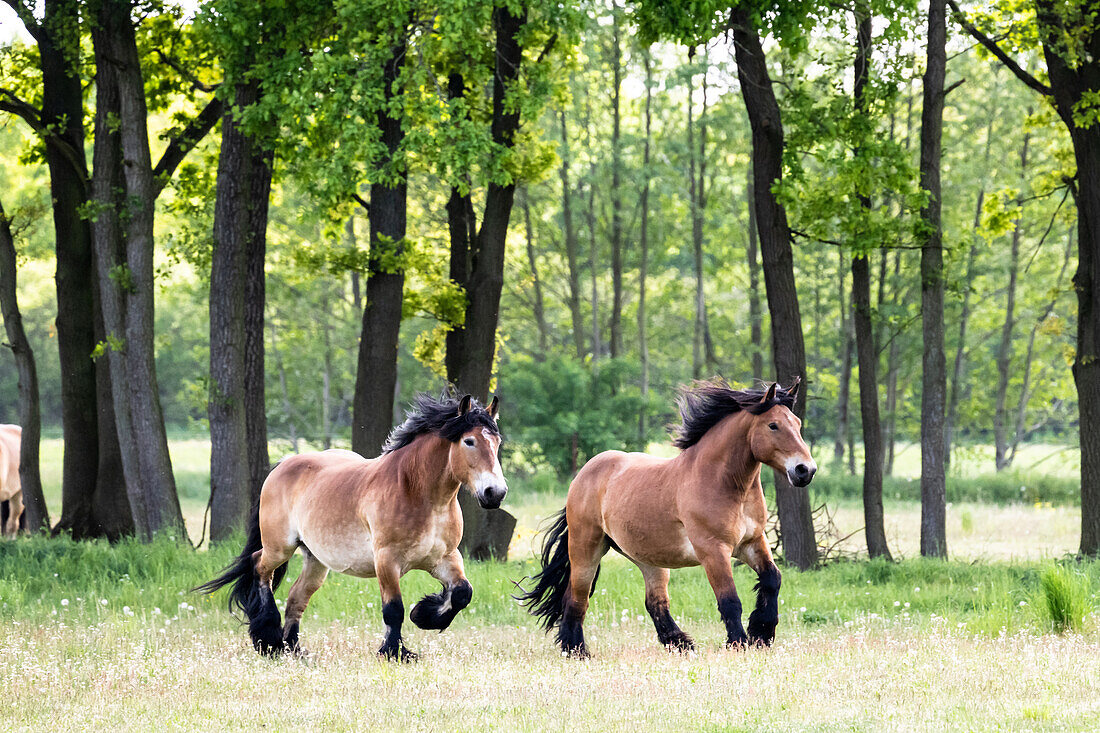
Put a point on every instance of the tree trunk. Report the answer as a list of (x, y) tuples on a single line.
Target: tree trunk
[(532, 261), (756, 317), (376, 374), (569, 233), (866, 348), (353, 246), (93, 502), (123, 189), (487, 259), (892, 356), (255, 392), (843, 399), (933, 542), (702, 351), (616, 345), (643, 254), (37, 516), (1004, 349), (796, 522)]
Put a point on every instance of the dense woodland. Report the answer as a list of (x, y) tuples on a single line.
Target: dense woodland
[(278, 221)]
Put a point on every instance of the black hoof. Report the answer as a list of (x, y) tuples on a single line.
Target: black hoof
[(761, 634), (679, 643), (576, 652), (397, 653), (426, 613), (738, 643), (267, 639)]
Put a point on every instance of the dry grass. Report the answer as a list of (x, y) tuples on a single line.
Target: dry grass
[(875, 676)]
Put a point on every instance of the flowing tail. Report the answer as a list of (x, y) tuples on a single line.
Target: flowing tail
[(258, 606), (547, 597)]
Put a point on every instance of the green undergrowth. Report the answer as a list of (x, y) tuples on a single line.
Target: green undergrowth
[(43, 580)]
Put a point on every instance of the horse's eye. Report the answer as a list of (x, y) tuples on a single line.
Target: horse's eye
[(773, 426), (469, 442)]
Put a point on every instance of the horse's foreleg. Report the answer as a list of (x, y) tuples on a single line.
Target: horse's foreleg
[(309, 580), (656, 602), (15, 510), (716, 563), (393, 610), (438, 610), (762, 621)]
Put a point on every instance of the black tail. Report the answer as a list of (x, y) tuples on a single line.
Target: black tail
[(548, 596), (264, 622)]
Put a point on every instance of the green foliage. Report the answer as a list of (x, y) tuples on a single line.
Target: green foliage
[(562, 408), (1065, 594)]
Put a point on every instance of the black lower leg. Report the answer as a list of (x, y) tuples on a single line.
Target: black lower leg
[(264, 623), (570, 631), (668, 633), (393, 614), (290, 636), (438, 610), (765, 616), (729, 607)]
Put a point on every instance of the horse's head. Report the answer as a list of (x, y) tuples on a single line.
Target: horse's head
[(776, 440), (474, 460)]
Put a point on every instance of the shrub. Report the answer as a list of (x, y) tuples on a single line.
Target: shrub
[(1065, 598)]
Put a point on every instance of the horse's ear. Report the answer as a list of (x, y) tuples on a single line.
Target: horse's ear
[(493, 408), (464, 405), (770, 395), (792, 392)]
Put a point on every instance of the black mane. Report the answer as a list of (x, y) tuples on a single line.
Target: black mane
[(704, 404), (440, 416)]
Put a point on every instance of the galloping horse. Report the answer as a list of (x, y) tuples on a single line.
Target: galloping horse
[(371, 518), (11, 490), (700, 508)]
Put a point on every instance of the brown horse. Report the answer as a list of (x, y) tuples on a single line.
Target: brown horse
[(700, 508), (11, 490), (371, 518)]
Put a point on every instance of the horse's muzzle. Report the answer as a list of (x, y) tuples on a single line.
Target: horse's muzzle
[(801, 475), (491, 496)]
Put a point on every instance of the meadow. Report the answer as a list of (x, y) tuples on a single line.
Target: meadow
[(1005, 636)]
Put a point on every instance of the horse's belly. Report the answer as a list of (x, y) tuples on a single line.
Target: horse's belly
[(351, 553), (659, 546)]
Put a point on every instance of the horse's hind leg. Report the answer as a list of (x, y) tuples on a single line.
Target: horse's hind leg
[(438, 610), (587, 546), (15, 510), (388, 569), (264, 624), (312, 576), (762, 621), (656, 602)]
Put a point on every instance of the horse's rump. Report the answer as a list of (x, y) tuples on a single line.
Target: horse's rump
[(10, 439)]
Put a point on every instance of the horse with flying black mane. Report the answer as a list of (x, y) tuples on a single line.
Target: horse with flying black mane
[(370, 518), (701, 507)]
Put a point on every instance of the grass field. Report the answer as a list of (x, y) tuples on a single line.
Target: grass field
[(100, 637)]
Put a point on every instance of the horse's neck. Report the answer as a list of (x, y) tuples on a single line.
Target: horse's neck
[(724, 452), (425, 470)]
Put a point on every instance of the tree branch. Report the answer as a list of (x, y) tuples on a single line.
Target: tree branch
[(191, 78), (33, 117), (997, 51), (184, 142), (362, 202), (26, 14)]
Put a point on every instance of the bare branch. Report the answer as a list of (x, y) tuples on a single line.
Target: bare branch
[(26, 14), (362, 202), (997, 51), (30, 114), (187, 76), (184, 142)]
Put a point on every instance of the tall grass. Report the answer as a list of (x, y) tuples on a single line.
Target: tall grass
[(1065, 596)]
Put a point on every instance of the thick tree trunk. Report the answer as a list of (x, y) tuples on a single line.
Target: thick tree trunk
[(255, 393), (866, 347), (643, 254), (892, 359), (230, 479), (933, 534), (616, 345), (123, 189), (376, 375), (796, 522), (532, 262), (569, 233), (37, 516), (1004, 349), (93, 502), (487, 260)]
